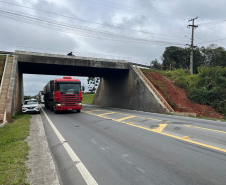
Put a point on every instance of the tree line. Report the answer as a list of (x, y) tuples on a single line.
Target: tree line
[(179, 58)]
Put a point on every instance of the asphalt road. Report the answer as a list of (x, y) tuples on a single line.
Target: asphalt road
[(108, 146)]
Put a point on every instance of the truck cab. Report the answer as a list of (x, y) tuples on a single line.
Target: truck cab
[(63, 94)]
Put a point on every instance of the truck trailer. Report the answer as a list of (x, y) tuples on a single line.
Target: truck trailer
[(63, 94), (40, 97)]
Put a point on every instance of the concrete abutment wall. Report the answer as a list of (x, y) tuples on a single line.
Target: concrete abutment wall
[(126, 91), (15, 91)]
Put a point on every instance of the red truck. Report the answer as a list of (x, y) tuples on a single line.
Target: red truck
[(63, 94)]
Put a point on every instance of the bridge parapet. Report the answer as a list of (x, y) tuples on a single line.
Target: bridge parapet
[(77, 54), (56, 59)]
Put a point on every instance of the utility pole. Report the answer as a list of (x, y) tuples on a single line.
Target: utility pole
[(192, 41)]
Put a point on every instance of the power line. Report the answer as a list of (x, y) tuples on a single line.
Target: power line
[(214, 29), (157, 8), (211, 41), (82, 31), (108, 25), (134, 3), (158, 14), (163, 15), (200, 39), (63, 24), (213, 22)]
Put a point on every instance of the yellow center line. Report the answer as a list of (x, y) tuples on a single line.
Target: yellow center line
[(205, 128), (106, 113), (121, 119), (184, 139), (170, 135)]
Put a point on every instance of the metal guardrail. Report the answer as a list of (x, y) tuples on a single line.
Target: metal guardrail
[(164, 102)]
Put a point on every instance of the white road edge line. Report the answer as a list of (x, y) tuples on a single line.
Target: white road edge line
[(81, 167)]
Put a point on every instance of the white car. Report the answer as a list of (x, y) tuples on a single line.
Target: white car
[(30, 106)]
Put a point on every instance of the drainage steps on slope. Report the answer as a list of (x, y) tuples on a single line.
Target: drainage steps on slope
[(5, 86)]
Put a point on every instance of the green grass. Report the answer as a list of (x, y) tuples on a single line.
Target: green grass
[(14, 151), (88, 98)]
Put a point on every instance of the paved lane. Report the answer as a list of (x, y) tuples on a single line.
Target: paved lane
[(130, 147)]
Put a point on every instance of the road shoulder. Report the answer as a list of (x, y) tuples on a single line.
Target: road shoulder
[(40, 163)]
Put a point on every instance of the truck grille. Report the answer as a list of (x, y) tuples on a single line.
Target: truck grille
[(69, 99)]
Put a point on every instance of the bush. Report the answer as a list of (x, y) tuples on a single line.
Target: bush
[(215, 98), (208, 87), (187, 82)]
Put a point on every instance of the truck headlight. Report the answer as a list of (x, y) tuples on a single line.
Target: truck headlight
[(80, 104), (59, 104)]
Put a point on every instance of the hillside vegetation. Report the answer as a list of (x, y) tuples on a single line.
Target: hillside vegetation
[(207, 88)]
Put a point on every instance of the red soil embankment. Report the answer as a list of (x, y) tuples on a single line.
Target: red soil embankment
[(177, 97)]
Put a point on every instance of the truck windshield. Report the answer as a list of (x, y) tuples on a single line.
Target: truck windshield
[(69, 88)]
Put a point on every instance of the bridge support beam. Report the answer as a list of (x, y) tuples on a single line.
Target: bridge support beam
[(126, 91)]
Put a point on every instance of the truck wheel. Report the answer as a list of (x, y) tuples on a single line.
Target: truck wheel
[(78, 110), (56, 112)]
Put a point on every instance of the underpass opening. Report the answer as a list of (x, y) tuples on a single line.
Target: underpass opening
[(120, 85)]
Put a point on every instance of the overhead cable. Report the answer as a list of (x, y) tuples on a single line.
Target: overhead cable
[(76, 30), (76, 18)]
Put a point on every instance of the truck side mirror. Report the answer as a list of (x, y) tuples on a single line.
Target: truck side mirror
[(83, 88)]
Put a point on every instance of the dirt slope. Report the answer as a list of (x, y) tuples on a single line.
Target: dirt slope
[(177, 97)]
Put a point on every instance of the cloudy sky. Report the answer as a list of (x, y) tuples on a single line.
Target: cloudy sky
[(137, 29)]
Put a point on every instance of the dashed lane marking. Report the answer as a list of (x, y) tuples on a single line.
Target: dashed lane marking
[(78, 163), (170, 135), (160, 127), (120, 113), (121, 119)]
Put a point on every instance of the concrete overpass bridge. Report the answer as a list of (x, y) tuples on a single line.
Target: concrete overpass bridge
[(122, 84)]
